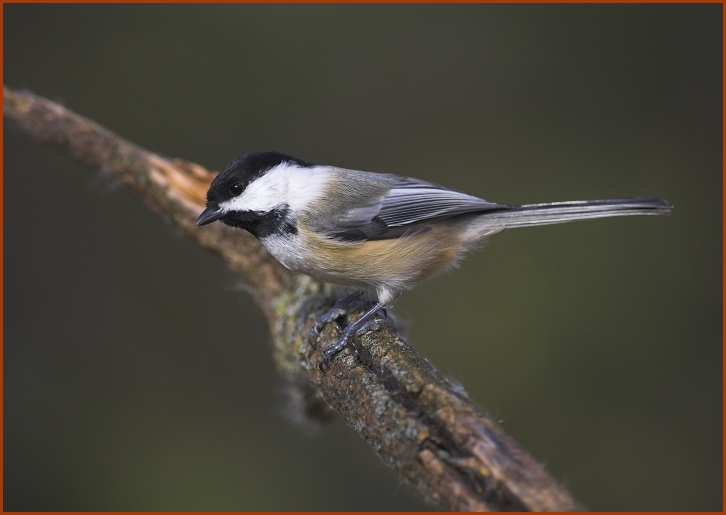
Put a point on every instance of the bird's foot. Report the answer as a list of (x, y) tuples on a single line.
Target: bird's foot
[(348, 334), (333, 314)]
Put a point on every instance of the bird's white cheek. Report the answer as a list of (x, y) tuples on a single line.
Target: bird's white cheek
[(260, 196), (286, 185)]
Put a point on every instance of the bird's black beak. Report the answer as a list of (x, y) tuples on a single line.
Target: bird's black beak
[(209, 215)]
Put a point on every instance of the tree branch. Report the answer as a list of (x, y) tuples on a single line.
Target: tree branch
[(417, 421)]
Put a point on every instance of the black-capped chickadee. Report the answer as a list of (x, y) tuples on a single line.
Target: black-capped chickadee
[(378, 232)]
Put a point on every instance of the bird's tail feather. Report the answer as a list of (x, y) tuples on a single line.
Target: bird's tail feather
[(530, 215)]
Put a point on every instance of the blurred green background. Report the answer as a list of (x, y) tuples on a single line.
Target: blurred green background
[(138, 375)]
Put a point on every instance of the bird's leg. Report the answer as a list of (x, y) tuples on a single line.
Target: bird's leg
[(348, 333), (334, 313)]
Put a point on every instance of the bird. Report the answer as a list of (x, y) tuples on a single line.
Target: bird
[(376, 232)]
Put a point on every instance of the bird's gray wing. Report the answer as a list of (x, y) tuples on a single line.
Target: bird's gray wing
[(405, 206), (411, 201)]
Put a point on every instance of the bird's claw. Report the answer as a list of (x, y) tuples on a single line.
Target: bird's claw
[(348, 336), (353, 329), (331, 350), (332, 315)]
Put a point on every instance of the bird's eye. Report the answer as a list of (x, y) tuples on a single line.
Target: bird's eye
[(236, 188)]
